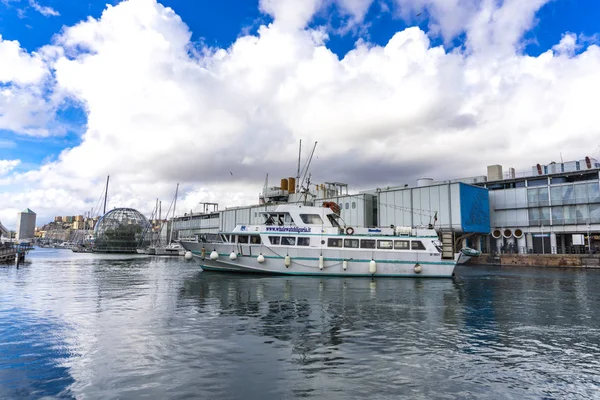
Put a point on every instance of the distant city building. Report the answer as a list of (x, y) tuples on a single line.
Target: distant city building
[(26, 224)]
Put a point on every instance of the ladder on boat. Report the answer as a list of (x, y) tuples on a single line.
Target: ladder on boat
[(447, 237)]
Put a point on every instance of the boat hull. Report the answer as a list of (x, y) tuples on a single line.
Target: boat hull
[(303, 262)]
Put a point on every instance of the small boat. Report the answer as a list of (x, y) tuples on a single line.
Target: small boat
[(172, 249), (307, 240), (466, 253)]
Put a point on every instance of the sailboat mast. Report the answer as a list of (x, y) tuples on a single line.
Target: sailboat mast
[(173, 219), (106, 194)]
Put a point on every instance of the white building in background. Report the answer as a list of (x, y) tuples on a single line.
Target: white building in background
[(26, 224)]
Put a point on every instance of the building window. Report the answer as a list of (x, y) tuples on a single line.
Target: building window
[(334, 242), (351, 243)]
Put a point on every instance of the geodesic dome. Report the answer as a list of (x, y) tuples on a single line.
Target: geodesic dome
[(121, 230)]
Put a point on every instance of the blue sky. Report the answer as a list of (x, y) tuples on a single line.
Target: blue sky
[(219, 23)]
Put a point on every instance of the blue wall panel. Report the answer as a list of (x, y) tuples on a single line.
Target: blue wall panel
[(474, 209)]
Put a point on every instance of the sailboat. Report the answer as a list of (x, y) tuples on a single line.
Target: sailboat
[(172, 248)]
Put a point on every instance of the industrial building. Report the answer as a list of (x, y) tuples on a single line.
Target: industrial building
[(456, 207), (553, 208), (25, 225)]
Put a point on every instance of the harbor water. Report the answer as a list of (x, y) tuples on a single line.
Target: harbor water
[(90, 326)]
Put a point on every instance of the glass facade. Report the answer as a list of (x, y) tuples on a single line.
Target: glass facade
[(121, 230), (571, 204)]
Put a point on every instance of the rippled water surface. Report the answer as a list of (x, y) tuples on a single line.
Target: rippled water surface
[(90, 326)]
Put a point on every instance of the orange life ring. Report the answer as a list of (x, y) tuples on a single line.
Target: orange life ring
[(349, 230)]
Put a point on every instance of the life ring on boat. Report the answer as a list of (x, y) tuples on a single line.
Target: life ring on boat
[(349, 230)]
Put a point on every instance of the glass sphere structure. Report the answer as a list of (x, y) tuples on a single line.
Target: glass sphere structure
[(121, 230)]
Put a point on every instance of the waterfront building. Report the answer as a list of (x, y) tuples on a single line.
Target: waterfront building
[(553, 208), (26, 224)]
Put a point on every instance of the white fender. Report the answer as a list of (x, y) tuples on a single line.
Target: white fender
[(345, 265), (260, 258), (418, 269), (188, 255), (214, 255), (287, 261), (233, 256), (372, 267), (321, 262)]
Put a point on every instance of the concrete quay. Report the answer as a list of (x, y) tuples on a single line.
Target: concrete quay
[(539, 260)]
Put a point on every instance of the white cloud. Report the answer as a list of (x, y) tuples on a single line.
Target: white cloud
[(23, 78), (44, 10), (382, 115), (8, 165)]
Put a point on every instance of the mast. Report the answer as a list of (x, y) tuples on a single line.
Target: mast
[(106, 194), (173, 219), (298, 174)]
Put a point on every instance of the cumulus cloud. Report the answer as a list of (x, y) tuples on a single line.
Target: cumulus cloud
[(217, 120), (24, 107), (8, 165)]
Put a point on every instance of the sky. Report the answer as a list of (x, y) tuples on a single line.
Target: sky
[(215, 95)]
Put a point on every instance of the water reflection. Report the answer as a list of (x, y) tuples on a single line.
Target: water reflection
[(85, 326)]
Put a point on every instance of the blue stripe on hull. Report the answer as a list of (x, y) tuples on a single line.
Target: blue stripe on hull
[(258, 272), (197, 253)]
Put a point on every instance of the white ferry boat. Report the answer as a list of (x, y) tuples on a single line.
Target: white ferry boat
[(308, 240)]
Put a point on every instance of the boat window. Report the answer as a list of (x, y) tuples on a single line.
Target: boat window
[(347, 205), (334, 242), (274, 239), (352, 243), (242, 239), (333, 219), (401, 244), (314, 219), (367, 244), (269, 220), (384, 244), (417, 245), (255, 239), (280, 220), (353, 205), (303, 241), (287, 219), (225, 238), (288, 240)]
